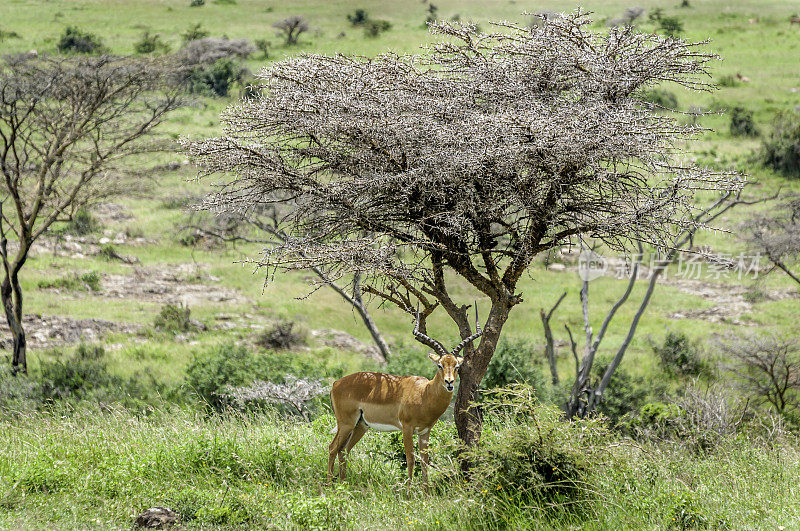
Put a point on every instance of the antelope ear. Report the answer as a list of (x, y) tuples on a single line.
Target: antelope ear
[(434, 358), (459, 361)]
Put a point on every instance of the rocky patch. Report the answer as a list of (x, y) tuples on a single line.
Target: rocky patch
[(43, 331)]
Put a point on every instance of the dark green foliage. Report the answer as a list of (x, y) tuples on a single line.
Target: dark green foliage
[(74, 282), (216, 79), (108, 252), (193, 33), (197, 3), (77, 375), (742, 122), (373, 28), (728, 80), (17, 394), (625, 393), (358, 18), (73, 40), (282, 336), (536, 457), (82, 223), (655, 14), (661, 97), (432, 10), (679, 356), (150, 44), (781, 150), (685, 513), (175, 319), (212, 371), (514, 362), (8, 35), (670, 26), (685, 3)]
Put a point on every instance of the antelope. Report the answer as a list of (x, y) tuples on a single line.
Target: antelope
[(385, 402)]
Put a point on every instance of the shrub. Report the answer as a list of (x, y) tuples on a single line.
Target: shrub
[(150, 44), (513, 362), (781, 151), (655, 15), (76, 41), (264, 45), (211, 373), (75, 282), (194, 33), (661, 97), (8, 35), (197, 3), (405, 362), (82, 223), (680, 356), (373, 28), (671, 26), (16, 393), (742, 122), (358, 18), (216, 79), (282, 336), (728, 80), (535, 457), (291, 28), (625, 393), (175, 319)]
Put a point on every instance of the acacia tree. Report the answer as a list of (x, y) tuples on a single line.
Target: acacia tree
[(65, 124), (471, 158)]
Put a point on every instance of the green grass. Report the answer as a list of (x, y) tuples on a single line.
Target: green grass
[(72, 469)]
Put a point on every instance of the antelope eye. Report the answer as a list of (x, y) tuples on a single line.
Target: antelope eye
[(440, 365)]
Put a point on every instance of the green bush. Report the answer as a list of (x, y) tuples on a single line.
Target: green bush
[(679, 356), (216, 79), (78, 375), (661, 97), (83, 282), (150, 44), (226, 365), (405, 362), (264, 45), (533, 457), (17, 393), (197, 3), (742, 122), (728, 80), (781, 151), (82, 223), (373, 28), (671, 26), (175, 319), (359, 17), (625, 393), (514, 361), (193, 33), (73, 40), (5, 34)]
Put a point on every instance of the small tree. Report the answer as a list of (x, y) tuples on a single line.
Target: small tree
[(776, 235), (65, 124), (781, 150), (471, 159), (291, 28), (767, 367)]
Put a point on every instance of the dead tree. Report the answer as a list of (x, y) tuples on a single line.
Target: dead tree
[(586, 394), (549, 345), (776, 235), (65, 126), (471, 158), (266, 221), (767, 367), (291, 28)]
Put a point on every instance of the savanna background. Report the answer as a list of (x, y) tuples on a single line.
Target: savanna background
[(140, 321)]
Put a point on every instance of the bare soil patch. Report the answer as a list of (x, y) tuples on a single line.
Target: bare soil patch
[(45, 331)]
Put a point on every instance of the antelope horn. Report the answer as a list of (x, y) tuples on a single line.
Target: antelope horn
[(435, 345), (478, 333)]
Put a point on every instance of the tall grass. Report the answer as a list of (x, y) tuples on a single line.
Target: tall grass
[(75, 469)]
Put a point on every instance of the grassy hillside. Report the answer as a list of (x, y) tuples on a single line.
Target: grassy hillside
[(66, 469)]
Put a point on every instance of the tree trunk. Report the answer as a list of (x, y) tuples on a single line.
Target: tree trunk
[(468, 415), (11, 294)]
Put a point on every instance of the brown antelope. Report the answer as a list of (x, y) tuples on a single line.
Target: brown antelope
[(385, 402)]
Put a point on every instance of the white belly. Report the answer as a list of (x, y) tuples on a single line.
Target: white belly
[(382, 427)]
